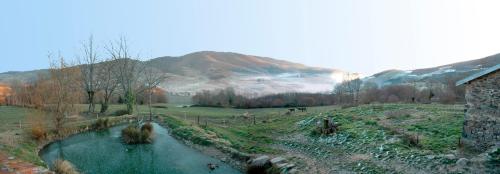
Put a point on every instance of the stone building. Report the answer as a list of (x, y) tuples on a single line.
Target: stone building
[(481, 128)]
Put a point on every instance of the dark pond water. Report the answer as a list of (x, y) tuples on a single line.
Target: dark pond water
[(103, 152)]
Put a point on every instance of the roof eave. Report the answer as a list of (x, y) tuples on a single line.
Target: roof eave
[(477, 75)]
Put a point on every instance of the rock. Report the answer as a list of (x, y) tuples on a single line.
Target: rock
[(262, 161), (462, 162), (11, 158), (259, 164), (281, 165), (430, 157), (212, 166), (449, 156), (289, 166), (293, 171), (277, 160)]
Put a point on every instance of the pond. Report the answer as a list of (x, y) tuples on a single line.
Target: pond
[(104, 152)]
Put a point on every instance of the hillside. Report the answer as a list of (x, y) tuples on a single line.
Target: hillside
[(440, 74), (208, 70), (247, 74)]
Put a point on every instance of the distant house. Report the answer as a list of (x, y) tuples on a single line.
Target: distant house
[(481, 128)]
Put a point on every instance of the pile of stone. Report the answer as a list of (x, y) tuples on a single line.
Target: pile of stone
[(264, 164)]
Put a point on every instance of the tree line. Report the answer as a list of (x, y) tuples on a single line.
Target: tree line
[(92, 79), (349, 92)]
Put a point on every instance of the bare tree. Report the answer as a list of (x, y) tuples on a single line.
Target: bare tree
[(63, 84), (127, 70), (108, 81), (348, 90), (88, 70), (356, 87), (152, 78)]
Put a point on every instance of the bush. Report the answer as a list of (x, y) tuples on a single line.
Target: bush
[(38, 131), (64, 167), (147, 127), (101, 123), (134, 135), (131, 135), (121, 112)]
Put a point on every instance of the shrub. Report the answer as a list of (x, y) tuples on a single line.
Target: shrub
[(134, 135), (38, 131), (147, 127), (101, 123), (64, 167), (121, 112), (131, 135), (370, 122), (412, 140)]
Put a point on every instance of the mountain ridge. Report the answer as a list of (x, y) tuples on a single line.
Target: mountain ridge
[(209, 70), (438, 74)]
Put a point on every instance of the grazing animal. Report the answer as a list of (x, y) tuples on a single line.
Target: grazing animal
[(246, 115), (302, 109)]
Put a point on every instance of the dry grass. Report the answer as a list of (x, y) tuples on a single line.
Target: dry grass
[(64, 167), (38, 126), (399, 114), (38, 132), (134, 135)]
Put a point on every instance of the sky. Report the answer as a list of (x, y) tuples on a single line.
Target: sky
[(365, 36)]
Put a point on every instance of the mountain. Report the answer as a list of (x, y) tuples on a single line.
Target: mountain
[(440, 74), (208, 70)]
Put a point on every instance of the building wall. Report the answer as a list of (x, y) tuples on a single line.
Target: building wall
[(482, 116)]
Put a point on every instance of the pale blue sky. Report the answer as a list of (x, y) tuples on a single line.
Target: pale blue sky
[(355, 35)]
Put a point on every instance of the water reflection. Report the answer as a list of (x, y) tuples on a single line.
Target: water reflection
[(103, 152)]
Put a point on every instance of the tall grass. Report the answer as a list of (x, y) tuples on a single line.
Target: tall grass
[(64, 167)]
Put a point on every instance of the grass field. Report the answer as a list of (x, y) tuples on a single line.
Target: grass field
[(371, 138), (374, 133)]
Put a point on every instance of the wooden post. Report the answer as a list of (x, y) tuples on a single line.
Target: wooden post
[(326, 130), (20, 125), (198, 120), (253, 119), (206, 123)]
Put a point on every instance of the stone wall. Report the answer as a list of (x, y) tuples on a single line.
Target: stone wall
[(482, 115)]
